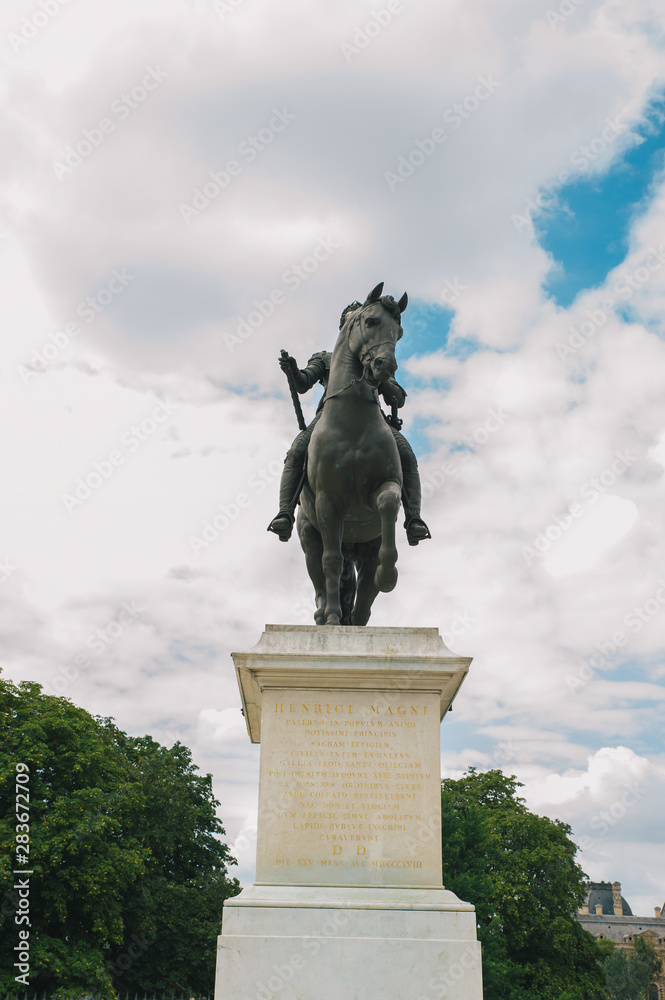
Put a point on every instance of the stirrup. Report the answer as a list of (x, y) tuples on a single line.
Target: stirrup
[(413, 524), (283, 531)]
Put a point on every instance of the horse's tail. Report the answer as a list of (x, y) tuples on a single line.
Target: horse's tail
[(348, 585)]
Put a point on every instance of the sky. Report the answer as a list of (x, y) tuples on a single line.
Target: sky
[(189, 187)]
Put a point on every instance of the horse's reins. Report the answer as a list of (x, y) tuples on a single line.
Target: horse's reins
[(360, 378)]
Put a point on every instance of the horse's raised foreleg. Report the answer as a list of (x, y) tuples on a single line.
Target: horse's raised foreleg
[(386, 500), (312, 546), (331, 527)]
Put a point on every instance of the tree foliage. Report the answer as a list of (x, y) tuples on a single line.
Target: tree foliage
[(519, 871), (129, 873), (629, 974)]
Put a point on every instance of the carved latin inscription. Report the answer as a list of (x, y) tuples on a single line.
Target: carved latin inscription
[(350, 788)]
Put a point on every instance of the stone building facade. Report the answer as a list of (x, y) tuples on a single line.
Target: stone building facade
[(607, 915)]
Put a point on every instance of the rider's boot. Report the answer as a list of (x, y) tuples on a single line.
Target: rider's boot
[(282, 524), (416, 529)]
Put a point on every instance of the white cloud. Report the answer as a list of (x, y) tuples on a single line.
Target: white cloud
[(588, 539), (615, 801)]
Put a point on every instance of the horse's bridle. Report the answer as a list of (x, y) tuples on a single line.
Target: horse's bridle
[(366, 358)]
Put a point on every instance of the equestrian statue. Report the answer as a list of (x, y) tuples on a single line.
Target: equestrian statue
[(351, 467)]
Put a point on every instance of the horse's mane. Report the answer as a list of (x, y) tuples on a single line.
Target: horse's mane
[(387, 301)]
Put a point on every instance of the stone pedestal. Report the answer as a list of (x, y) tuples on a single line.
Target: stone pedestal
[(348, 900)]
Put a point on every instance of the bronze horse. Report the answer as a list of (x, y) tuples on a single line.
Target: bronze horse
[(352, 494)]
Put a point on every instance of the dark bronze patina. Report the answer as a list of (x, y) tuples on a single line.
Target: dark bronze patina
[(351, 467)]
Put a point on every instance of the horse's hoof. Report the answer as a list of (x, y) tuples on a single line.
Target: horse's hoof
[(385, 579), (333, 620), (319, 617)]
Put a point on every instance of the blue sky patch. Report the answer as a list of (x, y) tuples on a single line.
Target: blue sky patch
[(458, 735), (416, 431), (426, 330), (426, 326), (587, 232)]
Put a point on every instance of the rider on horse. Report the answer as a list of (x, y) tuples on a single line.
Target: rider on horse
[(318, 370)]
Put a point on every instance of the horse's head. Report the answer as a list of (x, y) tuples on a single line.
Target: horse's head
[(374, 328)]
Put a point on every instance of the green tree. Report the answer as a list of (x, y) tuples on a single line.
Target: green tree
[(519, 871), (128, 871), (629, 974)]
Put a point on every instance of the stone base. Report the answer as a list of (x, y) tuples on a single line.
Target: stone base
[(343, 943)]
